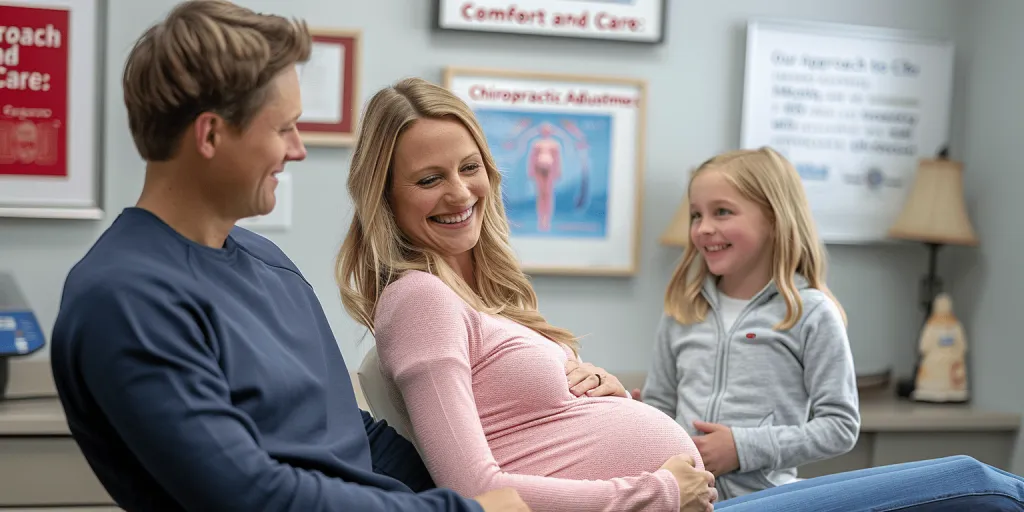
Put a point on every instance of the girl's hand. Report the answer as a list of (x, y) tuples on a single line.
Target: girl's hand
[(587, 379), (717, 448)]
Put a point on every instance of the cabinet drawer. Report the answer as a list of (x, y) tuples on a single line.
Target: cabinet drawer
[(47, 471)]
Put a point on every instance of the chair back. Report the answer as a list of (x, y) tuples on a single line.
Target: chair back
[(383, 399)]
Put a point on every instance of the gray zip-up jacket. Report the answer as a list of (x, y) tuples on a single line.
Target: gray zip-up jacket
[(790, 397)]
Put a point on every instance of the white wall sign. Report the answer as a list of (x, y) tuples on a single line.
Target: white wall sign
[(853, 108), (625, 20)]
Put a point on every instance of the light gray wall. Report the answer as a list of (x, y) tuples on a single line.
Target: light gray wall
[(695, 83), (986, 282)]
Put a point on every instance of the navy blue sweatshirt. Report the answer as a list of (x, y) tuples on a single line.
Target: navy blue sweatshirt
[(196, 378)]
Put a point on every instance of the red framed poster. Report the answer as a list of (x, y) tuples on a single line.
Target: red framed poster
[(49, 96), (330, 88), (34, 90)]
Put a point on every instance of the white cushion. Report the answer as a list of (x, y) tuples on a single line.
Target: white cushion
[(382, 397)]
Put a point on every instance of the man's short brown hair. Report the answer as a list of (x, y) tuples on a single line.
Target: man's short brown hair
[(206, 56)]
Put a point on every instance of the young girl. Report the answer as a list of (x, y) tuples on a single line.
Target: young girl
[(752, 356)]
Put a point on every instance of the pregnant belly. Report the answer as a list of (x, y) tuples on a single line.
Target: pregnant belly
[(594, 438)]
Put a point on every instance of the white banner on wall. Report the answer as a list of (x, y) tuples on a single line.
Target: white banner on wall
[(853, 108), (624, 20)]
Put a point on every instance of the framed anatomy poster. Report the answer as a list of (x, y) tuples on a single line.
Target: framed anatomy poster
[(50, 89), (570, 150), (330, 88)]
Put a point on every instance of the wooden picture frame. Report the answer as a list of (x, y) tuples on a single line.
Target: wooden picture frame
[(51, 121), (330, 88), (628, 21), (571, 152)]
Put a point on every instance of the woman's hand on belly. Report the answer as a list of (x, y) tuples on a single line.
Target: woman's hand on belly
[(585, 378), (697, 491)]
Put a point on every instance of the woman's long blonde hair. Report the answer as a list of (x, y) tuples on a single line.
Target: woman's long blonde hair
[(766, 178), (375, 252)]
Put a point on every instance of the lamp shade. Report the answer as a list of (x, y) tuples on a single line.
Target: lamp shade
[(934, 211), (678, 232)]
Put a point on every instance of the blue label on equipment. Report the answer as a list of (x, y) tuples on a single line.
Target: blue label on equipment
[(19, 333)]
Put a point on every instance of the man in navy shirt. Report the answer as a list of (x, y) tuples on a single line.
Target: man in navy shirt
[(193, 360)]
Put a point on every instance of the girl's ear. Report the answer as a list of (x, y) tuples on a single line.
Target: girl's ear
[(772, 218)]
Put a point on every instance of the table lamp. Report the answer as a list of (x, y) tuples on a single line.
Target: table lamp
[(934, 214)]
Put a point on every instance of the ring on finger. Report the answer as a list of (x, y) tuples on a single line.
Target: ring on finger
[(599, 381)]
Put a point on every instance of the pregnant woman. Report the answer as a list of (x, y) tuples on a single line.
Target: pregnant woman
[(483, 375), (427, 267)]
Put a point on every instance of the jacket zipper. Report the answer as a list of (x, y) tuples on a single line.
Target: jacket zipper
[(718, 387), (716, 382)]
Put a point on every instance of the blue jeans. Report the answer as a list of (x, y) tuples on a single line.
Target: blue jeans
[(946, 484)]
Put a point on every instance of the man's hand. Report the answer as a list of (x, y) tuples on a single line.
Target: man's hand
[(697, 491), (502, 500), (717, 448), (585, 378)]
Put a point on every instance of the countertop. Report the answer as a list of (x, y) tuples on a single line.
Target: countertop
[(879, 413)]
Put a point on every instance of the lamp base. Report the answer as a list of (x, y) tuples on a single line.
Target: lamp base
[(905, 387), (930, 286)]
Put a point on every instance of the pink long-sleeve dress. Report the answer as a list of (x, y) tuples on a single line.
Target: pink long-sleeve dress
[(490, 407)]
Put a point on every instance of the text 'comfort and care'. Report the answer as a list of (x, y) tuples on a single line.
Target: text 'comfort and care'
[(582, 20)]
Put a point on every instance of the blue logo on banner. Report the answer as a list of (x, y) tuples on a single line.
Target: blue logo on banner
[(812, 172), (19, 333), (875, 178)]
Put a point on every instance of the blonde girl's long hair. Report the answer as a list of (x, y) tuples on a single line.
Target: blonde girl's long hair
[(766, 178), (375, 252)]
